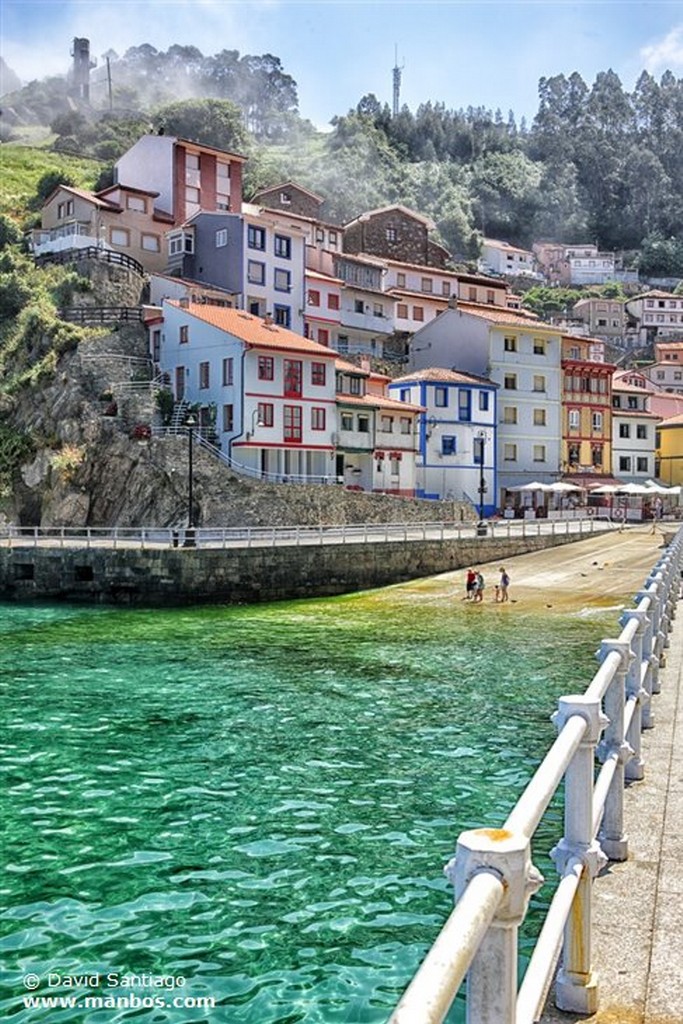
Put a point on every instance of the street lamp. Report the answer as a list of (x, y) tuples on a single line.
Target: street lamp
[(190, 541), (481, 445)]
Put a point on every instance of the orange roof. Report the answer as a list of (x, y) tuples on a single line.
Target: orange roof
[(379, 402), (345, 367), (674, 421), (509, 317), (439, 373), (252, 330)]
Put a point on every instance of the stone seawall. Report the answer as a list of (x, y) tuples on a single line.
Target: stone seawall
[(165, 577)]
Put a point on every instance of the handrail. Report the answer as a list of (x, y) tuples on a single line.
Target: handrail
[(273, 536), (100, 314), (605, 721), (91, 252)]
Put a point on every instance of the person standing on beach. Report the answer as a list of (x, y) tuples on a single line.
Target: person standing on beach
[(478, 595), (502, 588), (470, 584)]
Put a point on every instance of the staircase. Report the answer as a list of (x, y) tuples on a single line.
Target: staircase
[(181, 411)]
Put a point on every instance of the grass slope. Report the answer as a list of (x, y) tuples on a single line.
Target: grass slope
[(22, 167)]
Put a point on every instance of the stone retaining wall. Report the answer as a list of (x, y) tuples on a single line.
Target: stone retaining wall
[(184, 576)]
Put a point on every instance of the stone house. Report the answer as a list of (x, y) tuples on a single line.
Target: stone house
[(395, 233)]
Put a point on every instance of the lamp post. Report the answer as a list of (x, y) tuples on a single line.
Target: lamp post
[(190, 541), (481, 444)]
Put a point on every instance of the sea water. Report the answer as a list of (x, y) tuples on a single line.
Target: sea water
[(253, 805)]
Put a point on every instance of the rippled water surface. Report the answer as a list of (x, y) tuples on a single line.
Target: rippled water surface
[(260, 799)]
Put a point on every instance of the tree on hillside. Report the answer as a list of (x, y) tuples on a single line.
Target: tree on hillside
[(215, 123)]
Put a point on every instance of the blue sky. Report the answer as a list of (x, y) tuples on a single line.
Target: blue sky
[(459, 52)]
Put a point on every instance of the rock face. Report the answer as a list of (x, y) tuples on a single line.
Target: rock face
[(89, 471)]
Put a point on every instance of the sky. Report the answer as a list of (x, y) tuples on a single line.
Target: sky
[(458, 52)]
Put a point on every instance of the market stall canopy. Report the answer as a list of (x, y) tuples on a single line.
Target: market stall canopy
[(560, 487), (633, 489), (605, 489)]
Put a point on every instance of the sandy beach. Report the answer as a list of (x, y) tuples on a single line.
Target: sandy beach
[(604, 570)]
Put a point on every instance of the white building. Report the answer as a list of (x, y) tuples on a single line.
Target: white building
[(503, 258), (657, 314), (633, 433), (274, 266), (268, 393), (457, 434), (521, 356)]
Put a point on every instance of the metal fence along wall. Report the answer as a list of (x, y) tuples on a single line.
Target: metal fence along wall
[(492, 871)]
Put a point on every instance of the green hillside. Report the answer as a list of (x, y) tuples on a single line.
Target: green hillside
[(22, 167)]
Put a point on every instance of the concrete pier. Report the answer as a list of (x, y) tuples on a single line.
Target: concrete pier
[(638, 933)]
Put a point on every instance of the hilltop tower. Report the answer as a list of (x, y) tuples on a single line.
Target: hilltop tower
[(80, 72), (397, 82)]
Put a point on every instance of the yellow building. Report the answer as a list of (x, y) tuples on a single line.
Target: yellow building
[(669, 455)]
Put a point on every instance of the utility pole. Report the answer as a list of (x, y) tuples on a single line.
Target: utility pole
[(397, 81)]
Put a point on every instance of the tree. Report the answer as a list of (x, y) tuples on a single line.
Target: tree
[(215, 123)]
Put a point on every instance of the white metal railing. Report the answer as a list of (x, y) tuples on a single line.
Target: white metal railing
[(296, 536), (492, 871)]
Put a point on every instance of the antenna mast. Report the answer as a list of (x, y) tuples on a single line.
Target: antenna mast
[(397, 81)]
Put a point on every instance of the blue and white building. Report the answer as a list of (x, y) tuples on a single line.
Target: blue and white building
[(456, 434)]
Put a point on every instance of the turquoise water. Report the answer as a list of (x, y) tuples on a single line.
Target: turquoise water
[(260, 800)]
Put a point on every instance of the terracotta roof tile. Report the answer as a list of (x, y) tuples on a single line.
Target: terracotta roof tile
[(438, 373), (253, 330)]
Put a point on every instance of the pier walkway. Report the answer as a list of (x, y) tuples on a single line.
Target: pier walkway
[(638, 904)]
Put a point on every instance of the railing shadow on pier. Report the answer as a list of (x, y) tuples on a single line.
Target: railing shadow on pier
[(492, 871)]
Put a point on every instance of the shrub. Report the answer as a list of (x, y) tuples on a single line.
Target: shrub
[(141, 432), (67, 461)]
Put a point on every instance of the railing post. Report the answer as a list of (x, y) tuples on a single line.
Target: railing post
[(611, 836), (492, 977), (635, 769), (576, 987)]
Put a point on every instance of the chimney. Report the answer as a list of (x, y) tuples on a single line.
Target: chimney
[(453, 302), (268, 320)]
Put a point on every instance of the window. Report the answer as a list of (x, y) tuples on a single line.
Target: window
[(509, 414), (642, 464), (641, 432), (192, 161), (573, 454), (255, 306), (228, 418), (292, 423), (377, 309), (426, 284), (292, 377), (596, 455), (317, 419), (358, 306), (354, 385), (150, 243), (256, 272), (318, 372), (633, 401), (204, 375), (256, 237), (418, 313), (282, 280), (283, 316), (184, 334), (228, 371), (333, 302), (222, 186), (221, 238), (624, 464), (65, 209), (265, 414), (574, 419), (597, 421), (391, 235), (490, 297), (539, 383), (539, 453), (405, 394), (400, 280), (509, 453), (484, 398), (313, 297), (394, 465), (387, 424), (120, 236), (440, 397), (136, 203), (346, 421), (363, 424), (624, 430), (405, 424), (510, 382), (265, 367), (191, 199), (539, 347), (285, 199), (448, 445), (445, 289), (402, 311), (283, 247), (323, 336), (472, 294), (539, 417), (509, 344), (332, 240)]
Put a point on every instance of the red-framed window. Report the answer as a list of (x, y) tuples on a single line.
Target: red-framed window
[(265, 414), (265, 368), (293, 373), (317, 418), (323, 336), (318, 372), (313, 297), (292, 423), (333, 302)]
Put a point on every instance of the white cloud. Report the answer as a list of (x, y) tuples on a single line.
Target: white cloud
[(667, 53)]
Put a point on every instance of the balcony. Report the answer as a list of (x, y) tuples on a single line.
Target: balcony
[(76, 235)]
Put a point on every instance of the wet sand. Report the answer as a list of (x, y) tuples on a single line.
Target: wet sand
[(599, 572)]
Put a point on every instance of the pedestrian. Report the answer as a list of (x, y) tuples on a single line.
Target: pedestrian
[(470, 584), (479, 588), (503, 584)]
